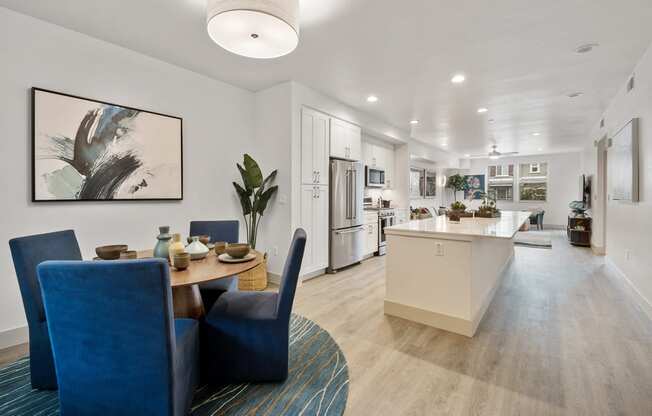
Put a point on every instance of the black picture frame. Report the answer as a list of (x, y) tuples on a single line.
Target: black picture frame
[(35, 90)]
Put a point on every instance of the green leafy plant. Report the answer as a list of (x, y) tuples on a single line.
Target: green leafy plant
[(458, 206), (254, 195), (456, 183)]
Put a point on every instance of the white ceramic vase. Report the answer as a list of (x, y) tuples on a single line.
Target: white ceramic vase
[(197, 249)]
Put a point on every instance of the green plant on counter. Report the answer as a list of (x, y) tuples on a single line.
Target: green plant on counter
[(254, 195), (456, 183), (458, 206)]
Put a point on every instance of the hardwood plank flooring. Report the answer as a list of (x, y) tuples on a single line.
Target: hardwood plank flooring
[(562, 337)]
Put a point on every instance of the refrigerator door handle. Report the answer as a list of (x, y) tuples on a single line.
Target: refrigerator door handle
[(355, 230), (354, 187), (347, 202)]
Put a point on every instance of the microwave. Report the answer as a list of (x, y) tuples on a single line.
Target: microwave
[(375, 177)]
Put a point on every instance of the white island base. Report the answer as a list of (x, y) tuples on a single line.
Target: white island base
[(444, 274)]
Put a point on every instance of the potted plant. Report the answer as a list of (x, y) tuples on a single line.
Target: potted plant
[(457, 211), (254, 195), (456, 183)]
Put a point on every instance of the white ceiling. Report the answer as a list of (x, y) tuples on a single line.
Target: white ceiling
[(518, 57)]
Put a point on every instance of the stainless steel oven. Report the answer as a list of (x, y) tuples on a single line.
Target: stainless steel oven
[(386, 218), (374, 177)]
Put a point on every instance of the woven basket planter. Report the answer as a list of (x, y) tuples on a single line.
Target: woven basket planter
[(254, 279)]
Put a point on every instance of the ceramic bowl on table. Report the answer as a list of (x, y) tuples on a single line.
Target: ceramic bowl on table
[(220, 247), (237, 251), (181, 261), (111, 252), (204, 239)]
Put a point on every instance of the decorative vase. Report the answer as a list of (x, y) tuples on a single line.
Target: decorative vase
[(197, 249), (176, 247), (161, 250)]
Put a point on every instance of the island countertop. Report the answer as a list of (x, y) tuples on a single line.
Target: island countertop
[(438, 227)]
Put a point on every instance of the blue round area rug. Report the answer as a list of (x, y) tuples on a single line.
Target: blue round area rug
[(317, 384)]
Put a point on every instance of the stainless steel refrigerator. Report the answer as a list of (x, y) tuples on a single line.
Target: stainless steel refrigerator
[(346, 213)]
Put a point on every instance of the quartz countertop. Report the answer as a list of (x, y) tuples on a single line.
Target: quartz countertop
[(504, 227)]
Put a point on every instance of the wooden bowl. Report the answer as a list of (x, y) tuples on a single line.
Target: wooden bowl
[(204, 239), (220, 247), (110, 252), (181, 261), (237, 251)]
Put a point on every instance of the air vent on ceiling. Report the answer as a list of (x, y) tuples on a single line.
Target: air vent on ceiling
[(602, 123), (630, 84)]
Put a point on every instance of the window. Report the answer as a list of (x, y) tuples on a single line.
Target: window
[(535, 168), (431, 184), (417, 182), (533, 182), (501, 182)]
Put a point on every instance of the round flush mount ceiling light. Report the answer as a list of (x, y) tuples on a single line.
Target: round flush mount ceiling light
[(482, 110), (372, 99), (262, 29), (414, 122), (458, 79)]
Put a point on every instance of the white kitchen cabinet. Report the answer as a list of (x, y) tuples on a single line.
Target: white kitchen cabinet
[(315, 147), (371, 232), (346, 140), (314, 219)]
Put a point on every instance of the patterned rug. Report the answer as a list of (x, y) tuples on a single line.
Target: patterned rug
[(318, 384), (533, 239)]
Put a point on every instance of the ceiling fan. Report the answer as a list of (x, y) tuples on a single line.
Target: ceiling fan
[(495, 154)]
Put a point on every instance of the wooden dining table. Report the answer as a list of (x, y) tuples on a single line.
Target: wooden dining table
[(186, 298)]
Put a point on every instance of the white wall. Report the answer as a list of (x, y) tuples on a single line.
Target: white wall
[(563, 184), (629, 225), (218, 128)]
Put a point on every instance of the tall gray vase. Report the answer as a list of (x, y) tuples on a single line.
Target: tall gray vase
[(162, 248)]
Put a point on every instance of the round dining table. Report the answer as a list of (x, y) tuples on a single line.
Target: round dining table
[(186, 298)]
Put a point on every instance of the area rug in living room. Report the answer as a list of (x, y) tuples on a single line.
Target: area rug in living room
[(535, 239), (317, 384)]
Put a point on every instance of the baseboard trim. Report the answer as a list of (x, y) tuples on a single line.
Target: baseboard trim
[(274, 278), (644, 304), (598, 251), (313, 274), (434, 319), (13, 337)]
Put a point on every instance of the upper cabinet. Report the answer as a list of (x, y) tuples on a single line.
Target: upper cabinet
[(346, 140), (315, 144)]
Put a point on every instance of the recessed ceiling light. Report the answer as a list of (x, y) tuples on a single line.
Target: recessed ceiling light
[(536, 134), (372, 99), (540, 149), (575, 94), (586, 48), (458, 79), (482, 110), (414, 122), (444, 144), (467, 155)]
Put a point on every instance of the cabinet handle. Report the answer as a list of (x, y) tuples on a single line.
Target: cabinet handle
[(318, 174)]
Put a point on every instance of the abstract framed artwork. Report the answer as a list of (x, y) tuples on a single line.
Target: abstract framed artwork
[(474, 188), (89, 150)]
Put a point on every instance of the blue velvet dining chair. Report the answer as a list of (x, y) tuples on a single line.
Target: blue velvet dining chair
[(27, 253), (227, 231), (246, 334), (117, 348)]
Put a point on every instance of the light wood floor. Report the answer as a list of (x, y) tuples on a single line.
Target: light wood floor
[(562, 337)]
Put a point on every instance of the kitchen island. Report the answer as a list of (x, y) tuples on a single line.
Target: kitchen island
[(445, 274)]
